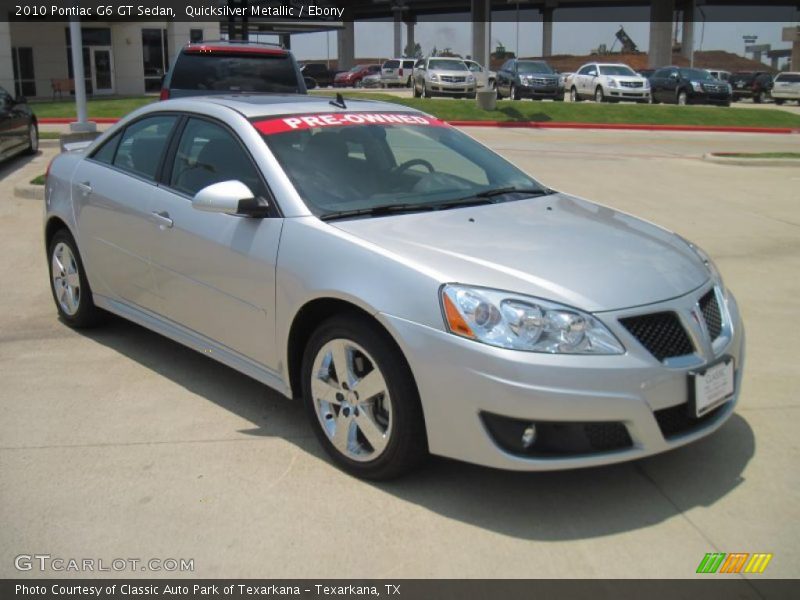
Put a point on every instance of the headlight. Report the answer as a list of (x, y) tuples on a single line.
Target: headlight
[(470, 78), (713, 271), (434, 77), (612, 82), (516, 322), (646, 84), (697, 86)]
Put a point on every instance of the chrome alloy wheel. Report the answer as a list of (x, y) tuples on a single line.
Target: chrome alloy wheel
[(66, 279), (351, 400)]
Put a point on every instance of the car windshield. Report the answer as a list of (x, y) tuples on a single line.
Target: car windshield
[(356, 69), (405, 161), (617, 70), (447, 65), (533, 67), (235, 73), (696, 74)]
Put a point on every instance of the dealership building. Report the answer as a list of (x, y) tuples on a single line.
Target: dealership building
[(119, 58)]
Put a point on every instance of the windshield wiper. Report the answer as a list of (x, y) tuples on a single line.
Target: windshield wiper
[(512, 190), (376, 211)]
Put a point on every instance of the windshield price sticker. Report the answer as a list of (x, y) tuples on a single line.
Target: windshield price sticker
[(300, 122)]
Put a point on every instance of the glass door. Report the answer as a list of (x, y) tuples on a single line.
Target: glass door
[(102, 69)]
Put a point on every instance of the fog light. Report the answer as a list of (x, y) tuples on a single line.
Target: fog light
[(529, 436)]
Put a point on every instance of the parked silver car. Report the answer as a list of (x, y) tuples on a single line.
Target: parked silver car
[(444, 77), (418, 291)]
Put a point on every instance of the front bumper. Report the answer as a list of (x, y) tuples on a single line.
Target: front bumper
[(460, 381), (530, 91), (710, 97), (454, 88), (625, 93)]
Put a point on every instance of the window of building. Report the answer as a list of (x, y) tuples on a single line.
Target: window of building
[(155, 56), (195, 35), (24, 79)]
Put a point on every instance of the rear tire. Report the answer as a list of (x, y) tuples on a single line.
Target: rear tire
[(779, 101), (68, 283), (380, 436)]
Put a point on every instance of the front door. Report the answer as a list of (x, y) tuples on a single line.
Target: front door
[(215, 272), (102, 70)]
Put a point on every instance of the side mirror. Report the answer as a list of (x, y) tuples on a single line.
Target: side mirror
[(231, 198), (673, 75), (311, 83)]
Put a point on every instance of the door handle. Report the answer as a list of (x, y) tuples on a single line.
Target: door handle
[(162, 218), (85, 187)]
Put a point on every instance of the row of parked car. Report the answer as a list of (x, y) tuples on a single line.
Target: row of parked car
[(601, 82)]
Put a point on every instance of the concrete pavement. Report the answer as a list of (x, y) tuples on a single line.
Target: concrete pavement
[(119, 443)]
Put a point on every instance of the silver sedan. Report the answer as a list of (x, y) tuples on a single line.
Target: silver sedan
[(418, 292)]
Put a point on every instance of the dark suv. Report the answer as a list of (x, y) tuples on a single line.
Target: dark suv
[(534, 79), (751, 84), (319, 72), (679, 85), (223, 67)]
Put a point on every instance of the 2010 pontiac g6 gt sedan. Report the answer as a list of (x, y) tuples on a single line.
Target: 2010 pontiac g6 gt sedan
[(419, 293)]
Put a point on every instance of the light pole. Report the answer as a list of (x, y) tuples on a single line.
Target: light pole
[(76, 42)]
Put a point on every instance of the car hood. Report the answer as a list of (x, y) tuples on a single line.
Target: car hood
[(447, 73), (555, 247), (627, 78)]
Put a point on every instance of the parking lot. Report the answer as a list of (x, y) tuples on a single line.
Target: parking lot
[(119, 443)]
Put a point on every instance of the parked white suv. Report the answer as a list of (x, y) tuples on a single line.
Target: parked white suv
[(786, 86), (397, 71), (609, 82), (443, 76)]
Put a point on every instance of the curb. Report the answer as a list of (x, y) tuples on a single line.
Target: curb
[(29, 191), (542, 125), (752, 162), (624, 127)]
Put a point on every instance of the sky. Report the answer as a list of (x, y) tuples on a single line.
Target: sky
[(375, 39)]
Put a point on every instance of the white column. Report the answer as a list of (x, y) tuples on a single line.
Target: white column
[(547, 31), (687, 40), (410, 41), (398, 34), (78, 75), (178, 35)]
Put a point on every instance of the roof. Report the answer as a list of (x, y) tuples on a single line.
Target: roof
[(265, 105)]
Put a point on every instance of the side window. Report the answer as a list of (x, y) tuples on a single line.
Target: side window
[(506, 66), (585, 70), (143, 144), (474, 67), (208, 153), (592, 70), (105, 154)]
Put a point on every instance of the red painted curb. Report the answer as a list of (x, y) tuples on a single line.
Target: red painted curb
[(539, 125), (622, 126)]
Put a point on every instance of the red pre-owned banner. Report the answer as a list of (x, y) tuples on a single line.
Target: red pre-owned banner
[(298, 122)]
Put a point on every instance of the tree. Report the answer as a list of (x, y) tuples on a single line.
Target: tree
[(415, 52)]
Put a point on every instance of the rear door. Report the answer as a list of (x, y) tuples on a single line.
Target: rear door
[(113, 192), (216, 272)]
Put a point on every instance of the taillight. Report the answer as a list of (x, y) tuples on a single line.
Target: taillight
[(164, 94), (401, 71)]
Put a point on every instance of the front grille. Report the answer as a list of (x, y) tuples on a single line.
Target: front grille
[(676, 420), (715, 89), (631, 84), (710, 309), (451, 79), (542, 81), (661, 333)]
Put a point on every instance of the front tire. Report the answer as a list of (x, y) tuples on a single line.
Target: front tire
[(574, 96), (513, 92), (599, 96), (361, 399), (33, 139), (683, 98), (68, 283)]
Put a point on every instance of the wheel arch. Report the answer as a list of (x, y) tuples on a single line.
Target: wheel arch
[(307, 319), (53, 225)]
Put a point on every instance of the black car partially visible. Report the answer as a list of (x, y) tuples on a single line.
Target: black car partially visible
[(751, 84), (319, 72), (680, 85), (19, 132)]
